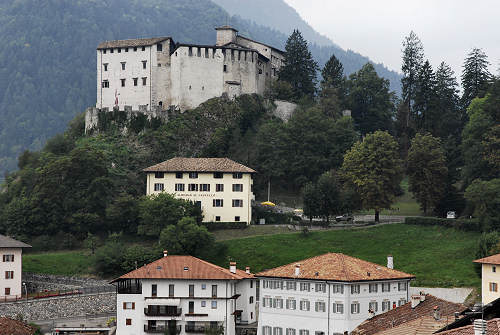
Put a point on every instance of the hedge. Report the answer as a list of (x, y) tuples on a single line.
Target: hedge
[(225, 225), (461, 224)]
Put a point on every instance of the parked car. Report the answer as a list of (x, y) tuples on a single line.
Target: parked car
[(345, 217), (451, 215)]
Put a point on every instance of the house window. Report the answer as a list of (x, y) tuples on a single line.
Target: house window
[(305, 287), (214, 304), (225, 68), (402, 286), (251, 283), (494, 268), (373, 306), (159, 187), (217, 218), (178, 175), (193, 175), (144, 81), (290, 331), (278, 303), (128, 322), (319, 306), (135, 81), (386, 305), (105, 66), (218, 175), (338, 288), (143, 49), (193, 187), (320, 287), (8, 258), (154, 290), (237, 187), (291, 285), (338, 308), (129, 305), (179, 187), (214, 291), (291, 303), (267, 302), (266, 330), (159, 47), (373, 288), (144, 63), (237, 175), (203, 286), (191, 290), (218, 203), (203, 303), (123, 65), (277, 331), (401, 302), (250, 301), (7, 291), (355, 308), (237, 219), (386, 287), (105, 84), (159, 175), (219, 187), (123, 82), (171, 290), (303, 332), (237, 203), (305, 305), (204, 187), (355, 289)]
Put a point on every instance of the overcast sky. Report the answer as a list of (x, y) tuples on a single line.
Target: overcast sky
[(448, 29)]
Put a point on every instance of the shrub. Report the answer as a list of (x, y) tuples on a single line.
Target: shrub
[(461, 224), (211, 226), (273, 217)]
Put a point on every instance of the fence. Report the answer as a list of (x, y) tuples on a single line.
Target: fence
[(58, 293)]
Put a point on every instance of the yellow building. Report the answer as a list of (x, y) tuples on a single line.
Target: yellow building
[(490, 277), (222, 187)]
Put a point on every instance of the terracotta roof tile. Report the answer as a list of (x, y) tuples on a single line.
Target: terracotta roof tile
[(184, 267), (418, 320), (136, 42), (338, 267), (493, 328), (14, 327), (493, 259), (181, 164)]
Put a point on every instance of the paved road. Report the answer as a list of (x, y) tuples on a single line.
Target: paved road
[(89, 321)]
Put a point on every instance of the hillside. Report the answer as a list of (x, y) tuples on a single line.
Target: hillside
[(47, 61)]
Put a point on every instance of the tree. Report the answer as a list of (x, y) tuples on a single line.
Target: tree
[(333, 74), (424, 97), (122, 214), (310, 200), (91, 242), (186, 238), (487, 246), (484, 196), (413, 55), (446, 119), (475, 76), (427, 170), (300, 68), (374, 170), (370, 101)]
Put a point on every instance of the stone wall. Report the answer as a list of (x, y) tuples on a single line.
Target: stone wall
[(43, 282), (284, 109), (61, 307)]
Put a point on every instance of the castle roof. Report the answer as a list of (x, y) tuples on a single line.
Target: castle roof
[(136, 42), (182, 164)]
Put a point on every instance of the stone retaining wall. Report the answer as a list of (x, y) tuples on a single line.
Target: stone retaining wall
[(43, 282)]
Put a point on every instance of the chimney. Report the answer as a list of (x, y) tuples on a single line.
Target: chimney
[(390, 262), (437, 313), (480, 327), (457, 316), (297, 270), (165, 253), (416, 299), (247, 269), (232, 267)]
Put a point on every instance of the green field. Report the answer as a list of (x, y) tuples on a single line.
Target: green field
[(76, 262), (439, 257)]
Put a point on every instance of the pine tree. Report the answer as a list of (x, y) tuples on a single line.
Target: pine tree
[(333, 74), (475, 76), (446, 118), (413, 55), (332, 95), (300, 68), (424, 96)]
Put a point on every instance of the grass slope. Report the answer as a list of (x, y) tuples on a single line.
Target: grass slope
[(69, 263), (439, 257)]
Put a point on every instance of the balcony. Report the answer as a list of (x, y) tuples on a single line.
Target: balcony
[(162, 311), (162, 329), (195, 329)]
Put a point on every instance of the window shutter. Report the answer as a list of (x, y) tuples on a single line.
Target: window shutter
[(316, 306), (133, 305), (124, 305)]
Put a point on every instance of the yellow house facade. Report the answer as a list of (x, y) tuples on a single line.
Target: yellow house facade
[(222, 187), (490, 278)]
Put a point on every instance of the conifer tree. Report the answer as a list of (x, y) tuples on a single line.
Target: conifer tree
[(424, 96), (332, 95), (300, 68), (332, 73), (413, 55), (446, 118), (475, 76)]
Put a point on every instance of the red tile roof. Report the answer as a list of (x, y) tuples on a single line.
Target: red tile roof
[(136, 42), (494, 259), (14, 327), (338, 267), (404, 318), (181, 164), (493, 328), (184, 267)]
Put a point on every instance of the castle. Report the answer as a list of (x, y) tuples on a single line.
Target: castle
[(157, 73)]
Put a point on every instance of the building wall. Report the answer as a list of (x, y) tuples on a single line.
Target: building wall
[(490, 274), (327, 322), (227, 213), (161, 74), (247, 289), (15, 284), (276, 58)]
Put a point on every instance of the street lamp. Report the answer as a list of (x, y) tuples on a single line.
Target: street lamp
[(25, 290)]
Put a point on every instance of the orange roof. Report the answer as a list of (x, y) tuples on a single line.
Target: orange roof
[(14, 327), (181, 164), (493, 328), (407, 320), (338, 267), (494, 259), (184, 267)]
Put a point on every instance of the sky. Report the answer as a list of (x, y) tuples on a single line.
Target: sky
[(448, 29)]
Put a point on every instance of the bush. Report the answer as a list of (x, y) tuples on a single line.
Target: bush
[(211, 226), (461, 224), (273, 217)]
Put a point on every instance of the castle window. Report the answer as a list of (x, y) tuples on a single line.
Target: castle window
[(213, 52), (123, 65), (143, 48), (104, 51), (260, 71), (135, 48), (126, 49), (123, 82), (119, 50), (176, 54), (232, 55), (203, 88), (189, 86), (239, 55), (159, 64), (135, 81), (105, 66), (111, 50), (190, 51), (199, 52), (105, 84), (160, 103), (144, 81), (144, 62), (225, 68), (159, 47), (206, 53)]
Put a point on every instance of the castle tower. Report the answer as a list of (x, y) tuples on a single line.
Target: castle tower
[(225, 35)]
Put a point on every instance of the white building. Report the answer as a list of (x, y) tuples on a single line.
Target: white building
[(326, 295), (183, 295), (222, 187), (11, 266), (157, 72), (490, 278)]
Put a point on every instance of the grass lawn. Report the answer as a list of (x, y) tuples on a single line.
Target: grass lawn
[(253, 230), (438, 257), (71, 263)]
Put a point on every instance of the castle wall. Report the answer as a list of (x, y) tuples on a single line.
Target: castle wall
[(277, 58), (161, 83)]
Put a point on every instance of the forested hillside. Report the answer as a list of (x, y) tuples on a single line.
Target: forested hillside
[(47, 59)]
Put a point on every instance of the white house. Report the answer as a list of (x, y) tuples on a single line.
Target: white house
[(159, 73), (327, 294), (490, 278), (222, 187), (11, 267), (183, 295)]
